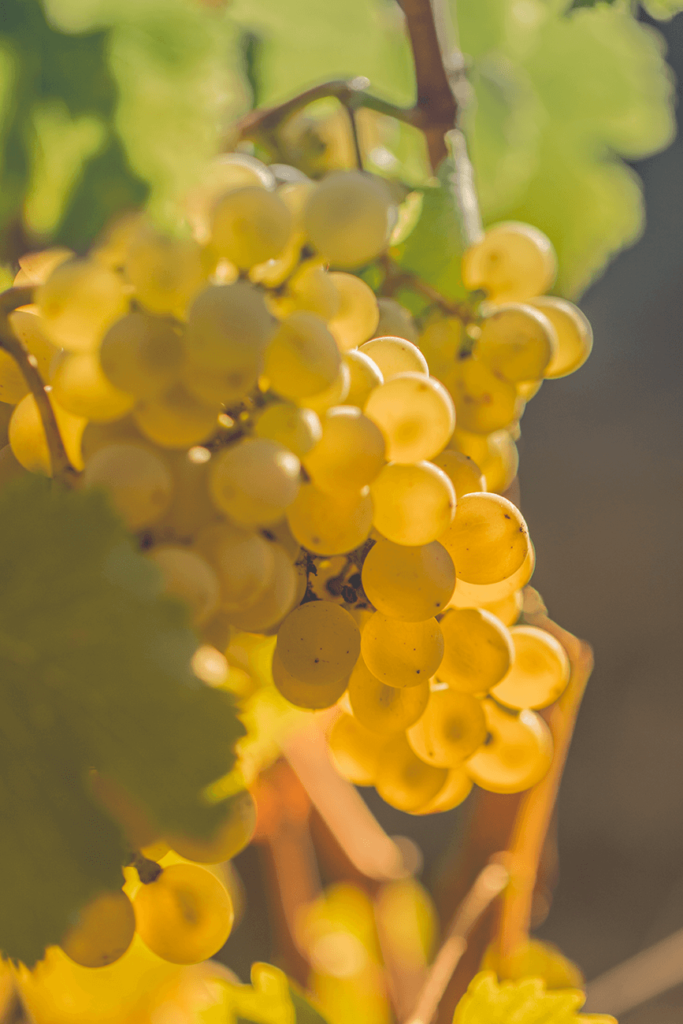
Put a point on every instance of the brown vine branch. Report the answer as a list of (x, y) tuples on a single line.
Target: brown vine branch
[(397, 278)]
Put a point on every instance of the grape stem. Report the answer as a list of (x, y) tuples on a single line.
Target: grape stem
[(148, 870), (10, 300), (396, 278)]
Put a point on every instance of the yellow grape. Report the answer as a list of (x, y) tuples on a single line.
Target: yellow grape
[(80, 387), (222, 174), (403, 779), (350, 453), (319, 642), (312, 289), (415, 413), (311, 696), (483, 401), (138, 480), (412, 504), (540, 671), (574, 335), (440, 343), (357, 314), (507, 609), (402, 653), (334, 395), (354, 750), (103, 931), (13, 384), (478, 650), (249, 226), (517, 753), (185, 915), (274, 602), (302, 358), (176, 419), (36, 267), (166, 272), (189, 577), (254, 481), (394, 356), (462, 471), (98, 435), (348, 217), (455, 790), (451, 728), (365, 375), (408, 583), (329, 524), (500, 466), (488, 539), (28, 328), (295, 428), (513, 262), (281, 532), (143, 354), (229, 838), (472, 595), (228, 328), (191, 508), (472, 444), (78, 303), (27, 437), (381, 708), (274, 273), (111, 246), (395, 321), (517, 342)]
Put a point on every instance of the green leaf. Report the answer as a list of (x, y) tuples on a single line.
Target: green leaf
[(526, 1002), (270, 999), (95, 673)]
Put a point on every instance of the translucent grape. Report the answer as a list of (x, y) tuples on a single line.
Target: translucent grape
[(472, 595), (166, 272), (517, 754), (357, 314), (478, 650), (348, 217), (295, 428), (142, 354), (415, 413), (403, 779), (350, 453), (364, 376), (242, 559), (540, 671), (488, 539), (28, 328), (451, 728), (319, 642), (311, 288), (302, 358), (36, 267), (188, 576), (440, 343), (254, 481), (354, 750), (385, 709), (249, 226), (395, 321), (176, 419), (513, 262), (232, 836), (394, 356), (517, 342), (402, 653), (78, 303), (408, 583), (334, 395), (80, 387), (99, 435), (574, 335), (483, 401), (191, 508), (412, 504), (311, 696), (274, 602), (13, 384), (461, 470), (507, 609), (329, 524), (103, 932), (138, 480), (222, 174), (455, 790), (228, 329), (28, 441), (500, 466)]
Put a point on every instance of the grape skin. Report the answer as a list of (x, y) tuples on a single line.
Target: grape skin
[(384, 709), (394, 356), (138, 480), (540, 671), (310, 696), (449, 731), (329, 524), (254, 481), (402, 653), (416, 415), (103, 932), (319, 642), (488, 539), (348, 217), (478, 650), (408, 583), (412, 504), (350, 453)]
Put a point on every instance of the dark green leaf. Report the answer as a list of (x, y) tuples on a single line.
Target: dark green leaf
[(305, 1012)]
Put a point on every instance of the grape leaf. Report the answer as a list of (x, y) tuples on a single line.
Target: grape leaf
[(95, 673), (526, 1002), (270, 999)]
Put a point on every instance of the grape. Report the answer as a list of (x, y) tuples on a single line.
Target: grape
[(574, 335), (451, 728), (403, 779), (364, 376), (281, 532), (229, 838), (275, 601), (517, 754), (329, 524), (381, 708), (394, 356), (98, 435), (475, 596), (13, 384), (222, 174), (81, 388), (103, 931), (348, 217), (27, 437), (408, 583), (311, 696), (488, 539), (191, 508), (254, 481), (350, 453), (354, 750), (483, 401), (28, 328), (415, 414), (166, 273), (461, 470), (249, 226), (295, 428), (540, 671), (189, 577), (37, 266), (513, 262), (243, 561), (500, 466), (358, 313), (413, 504), (138, 480), (311, 288), (79, 301), (395, 321), (478, 650), (440, 343), (142, 354), (302, 358), (455, 790), (517, 342), (319, 642), (334, 395), (507, 609), (175, 419), (185, 915), (402, 653), (228, 328)]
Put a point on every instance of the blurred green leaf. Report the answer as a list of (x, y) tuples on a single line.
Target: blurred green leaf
[(526, 1002)]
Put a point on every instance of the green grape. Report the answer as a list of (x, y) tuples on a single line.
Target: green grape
[(381, 708), (513, 262), (354, 750), (166, 273), (408, 583), (13, 384), (455, 790), (350, 453), (28, 441), (319, 642), (254, 481), (28, 328), (395, 321), (357, 314), (176, 419), (103, 931), (478, 650), (312, 289), (329, 524), (539, 673), (311, 696), (415, 413), (348, 217), (500, 466), (189, 577), (440, 343), (517, 342), (402, 653), (143, 354), (474, 595), (228, 328), (574, 335), (462, 471), (488, 539), (243, 561), (413, 504), (274, 602), (78, 302), (302, 358), (517, 754), (232, 836), (138, 480), (450, 729), (80, 387), (191, 508), (249, 226), (483, 401), (394, 356), (404, 780), (222, 174), (295, 428), (98, 435), (335, 394), (364, 376), (185, 915)]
